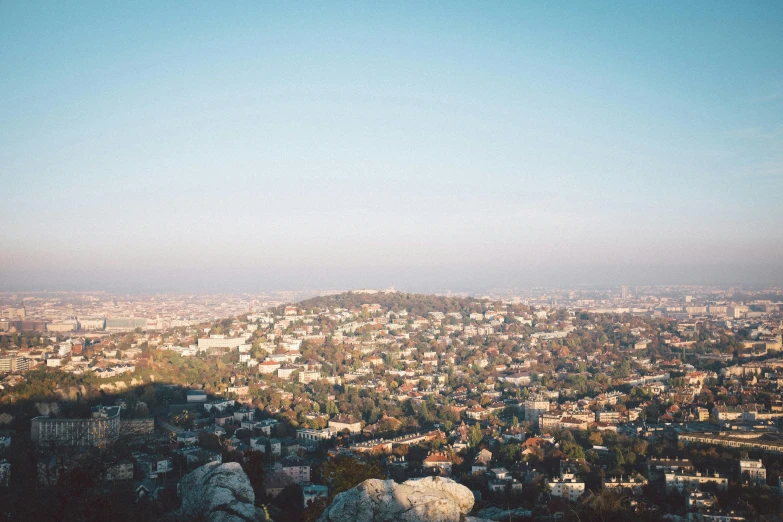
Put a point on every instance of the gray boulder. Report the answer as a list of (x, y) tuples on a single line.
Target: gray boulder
[(218, 493), (433, 499)]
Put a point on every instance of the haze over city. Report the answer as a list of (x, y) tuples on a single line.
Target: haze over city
[(152, 147)]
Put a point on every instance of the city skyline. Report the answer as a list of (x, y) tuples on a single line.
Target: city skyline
[(250, 147)]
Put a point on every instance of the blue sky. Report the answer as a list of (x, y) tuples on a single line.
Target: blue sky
[(437, 146)]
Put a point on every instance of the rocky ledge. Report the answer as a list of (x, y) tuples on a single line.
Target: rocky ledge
[(427, 499), (218, 493)]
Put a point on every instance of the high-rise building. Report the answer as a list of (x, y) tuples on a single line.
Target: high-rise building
[(624, 292)]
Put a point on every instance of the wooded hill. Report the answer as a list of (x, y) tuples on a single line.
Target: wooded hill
[(417, 304)]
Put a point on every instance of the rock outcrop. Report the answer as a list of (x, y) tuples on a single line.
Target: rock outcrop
[(218, 493), (433, 499)]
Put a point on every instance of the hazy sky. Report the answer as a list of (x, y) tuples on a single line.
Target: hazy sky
[(232, 145)]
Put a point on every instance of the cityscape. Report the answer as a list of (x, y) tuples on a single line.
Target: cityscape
[(641, 401), (509, 261)]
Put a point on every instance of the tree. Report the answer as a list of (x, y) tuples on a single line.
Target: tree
[(342, 473), (314, 509), (475, 435), (424, 413), (596, 439), (254, 468), (511, 452), (291, 500), (209, 441)]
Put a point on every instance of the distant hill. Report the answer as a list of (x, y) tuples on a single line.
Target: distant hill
[(417, 304)]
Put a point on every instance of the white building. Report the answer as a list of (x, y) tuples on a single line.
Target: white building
[(753, 472), (345, 422), (681, 481), (218, 405), (534, 408), (312, 436), (220, 341), (268, 366), (568, 487)]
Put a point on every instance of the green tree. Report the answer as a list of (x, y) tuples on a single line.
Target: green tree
[(475, 435), (342, 473), (424, 413)]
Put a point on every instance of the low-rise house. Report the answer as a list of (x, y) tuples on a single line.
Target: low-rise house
[(276, 482), (195, 456), (151, 466), (188, 438), (438, 462), (481, 462), (147, 488), (275, 446), (312, 492), (700, 500), (345, 422), (476, 412)]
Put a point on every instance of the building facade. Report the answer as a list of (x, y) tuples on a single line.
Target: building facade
[(101, 429)]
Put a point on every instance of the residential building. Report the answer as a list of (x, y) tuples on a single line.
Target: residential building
[(436, 461), (534, 408), (481, 462), (610, 416), (682, 481), (568, 487), (345, 422), (196, 396), (752, 472), (13, 363), (312, 492), (297, 468), (312, 436), (268, 366), (151, 466), (219, 342), (700, 500), (101, 429), (307, 376)]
